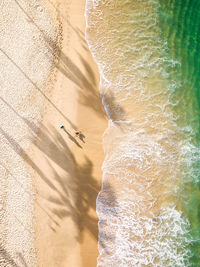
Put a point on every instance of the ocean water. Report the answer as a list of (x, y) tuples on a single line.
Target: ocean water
[(148, 58)]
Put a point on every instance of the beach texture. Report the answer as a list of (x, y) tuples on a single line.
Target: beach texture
[(25, 66), (124, 191), (68, 177), (48, 79)]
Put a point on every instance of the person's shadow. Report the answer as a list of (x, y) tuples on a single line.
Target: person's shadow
[(81, 136), (72, 138)]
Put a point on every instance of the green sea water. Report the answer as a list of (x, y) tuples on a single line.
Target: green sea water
[(180, 29), (147, 52)]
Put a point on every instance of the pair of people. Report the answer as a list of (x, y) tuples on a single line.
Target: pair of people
[(77, 133), (80, 135)]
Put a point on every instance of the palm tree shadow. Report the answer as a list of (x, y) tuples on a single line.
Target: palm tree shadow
[(22, 260), (114, 110), (88, 93), (82, 186), (6, 259), (108, 213)]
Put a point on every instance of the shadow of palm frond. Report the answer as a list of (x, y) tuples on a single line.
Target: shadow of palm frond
[(74, 192), (77, 188), (88, 93), (82, 185), (6, 259)]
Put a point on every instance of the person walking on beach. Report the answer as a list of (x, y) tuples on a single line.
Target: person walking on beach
[(70, 136), (78, 133)]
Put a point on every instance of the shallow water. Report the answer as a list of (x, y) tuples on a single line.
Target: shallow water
[(147, 54)]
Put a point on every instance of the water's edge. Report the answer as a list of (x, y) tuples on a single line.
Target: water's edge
[(152, 154)]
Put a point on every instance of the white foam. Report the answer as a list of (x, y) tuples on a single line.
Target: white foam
[(139, 223)]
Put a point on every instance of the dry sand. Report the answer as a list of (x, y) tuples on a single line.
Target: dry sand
[(25, 63), (67, 171)]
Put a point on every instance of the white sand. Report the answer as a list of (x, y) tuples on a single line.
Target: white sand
[(25, 62), (60, 170)]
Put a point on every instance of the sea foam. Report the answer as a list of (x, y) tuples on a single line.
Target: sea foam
[(140, 219)]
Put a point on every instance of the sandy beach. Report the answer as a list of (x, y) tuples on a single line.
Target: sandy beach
[(68, 175), (51, 176), (57, 143)]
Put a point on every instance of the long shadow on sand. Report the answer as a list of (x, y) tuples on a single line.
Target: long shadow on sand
[(7, 260), (72, 138), (86, 83), (82, 186), (77, 182), (74, 192)]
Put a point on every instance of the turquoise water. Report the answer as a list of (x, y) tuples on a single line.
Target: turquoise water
[(180, 28), (148, 58)]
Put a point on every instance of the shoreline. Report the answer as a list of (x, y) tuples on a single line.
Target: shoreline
[(68, 178), (58, 59)]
